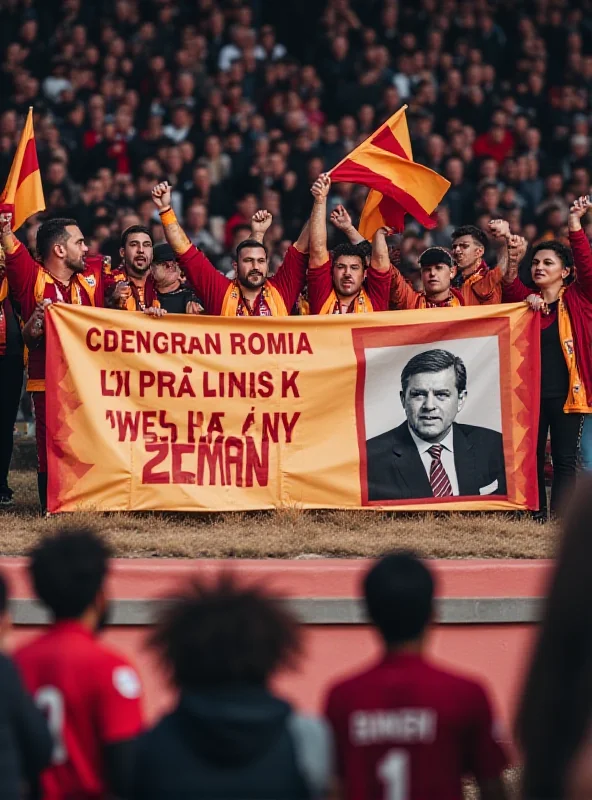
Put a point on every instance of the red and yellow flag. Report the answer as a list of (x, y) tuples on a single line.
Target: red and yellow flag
[(23, 192), (398, 185)]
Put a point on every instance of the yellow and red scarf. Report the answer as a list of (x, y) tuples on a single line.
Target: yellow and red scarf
[(359, 305), (234, 304), (577, 401), (453, 301)]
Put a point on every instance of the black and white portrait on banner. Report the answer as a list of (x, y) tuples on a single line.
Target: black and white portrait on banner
[(433, 420)]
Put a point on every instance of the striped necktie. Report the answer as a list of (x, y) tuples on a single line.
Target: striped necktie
[(439, 480)]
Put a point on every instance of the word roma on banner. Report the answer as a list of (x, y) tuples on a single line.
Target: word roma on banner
[(214, 413)]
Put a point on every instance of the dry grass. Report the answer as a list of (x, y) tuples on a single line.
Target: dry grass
[(289, 533)]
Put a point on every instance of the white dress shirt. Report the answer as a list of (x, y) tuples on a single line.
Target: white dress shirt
[(447, 457)]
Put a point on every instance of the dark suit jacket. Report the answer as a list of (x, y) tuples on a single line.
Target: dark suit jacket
[(396, 471)]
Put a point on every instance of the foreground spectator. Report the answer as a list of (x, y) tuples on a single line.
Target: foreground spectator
[(229, 736), (406, 727), (90, 693), (25, 741), (553, 726)]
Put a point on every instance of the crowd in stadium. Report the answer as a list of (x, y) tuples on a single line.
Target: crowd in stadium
[(232, 107), (184, 148)]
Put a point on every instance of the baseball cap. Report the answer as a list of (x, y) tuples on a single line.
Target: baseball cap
[(435, 255), (163, 252)]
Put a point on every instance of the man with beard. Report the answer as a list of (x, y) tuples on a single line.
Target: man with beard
[(132, 287), (252, 293), (89, 692), (342, 284), (174, 296), (63, 274), (478, 284)]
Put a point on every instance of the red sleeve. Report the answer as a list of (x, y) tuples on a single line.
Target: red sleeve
[(119, 711), (515, 292), (580, 247), (378, 286), (291, 275), (21, 271), (208, 284), (486, 756), (402, 296), (320, 286)]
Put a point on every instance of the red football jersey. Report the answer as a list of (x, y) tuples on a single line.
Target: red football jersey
[(91, 696), (407, 730)]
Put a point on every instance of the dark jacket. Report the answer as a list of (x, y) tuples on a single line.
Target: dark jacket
[(230, 744), (396, 471), (25, 741)]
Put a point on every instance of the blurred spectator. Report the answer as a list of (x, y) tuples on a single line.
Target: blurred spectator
[(556, 710), (89, 692), (405, 721), (229, 735), (25, 741)]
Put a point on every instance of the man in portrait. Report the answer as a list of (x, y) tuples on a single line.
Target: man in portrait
[(431, 455)]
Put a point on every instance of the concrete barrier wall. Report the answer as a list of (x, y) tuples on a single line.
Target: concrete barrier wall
[(486, 617)]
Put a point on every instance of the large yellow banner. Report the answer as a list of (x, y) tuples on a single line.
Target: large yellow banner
[(409, 410)]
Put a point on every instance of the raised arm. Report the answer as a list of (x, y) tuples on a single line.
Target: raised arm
[(302, 243), (208, 284), (517, 247), (380, 254), (402, 295), (500, 230), (260, 222), (175, 235), (319, 254), (21, 268), (580, 245), (513, 290), (9, 241), (342, 221)]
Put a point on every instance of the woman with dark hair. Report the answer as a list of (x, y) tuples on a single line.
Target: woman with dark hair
[(555, 716), (564, 300), (229, 736)]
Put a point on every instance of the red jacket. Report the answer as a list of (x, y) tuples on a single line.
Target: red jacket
[(578, 302)]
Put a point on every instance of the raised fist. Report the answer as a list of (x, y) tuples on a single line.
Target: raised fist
[(499, 228), (161, 194), (261, 220)]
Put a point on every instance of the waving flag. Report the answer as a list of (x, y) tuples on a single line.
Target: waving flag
[(399, 186), (23, 193)]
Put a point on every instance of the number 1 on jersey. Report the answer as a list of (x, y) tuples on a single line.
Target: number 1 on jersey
[(393, 771)]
